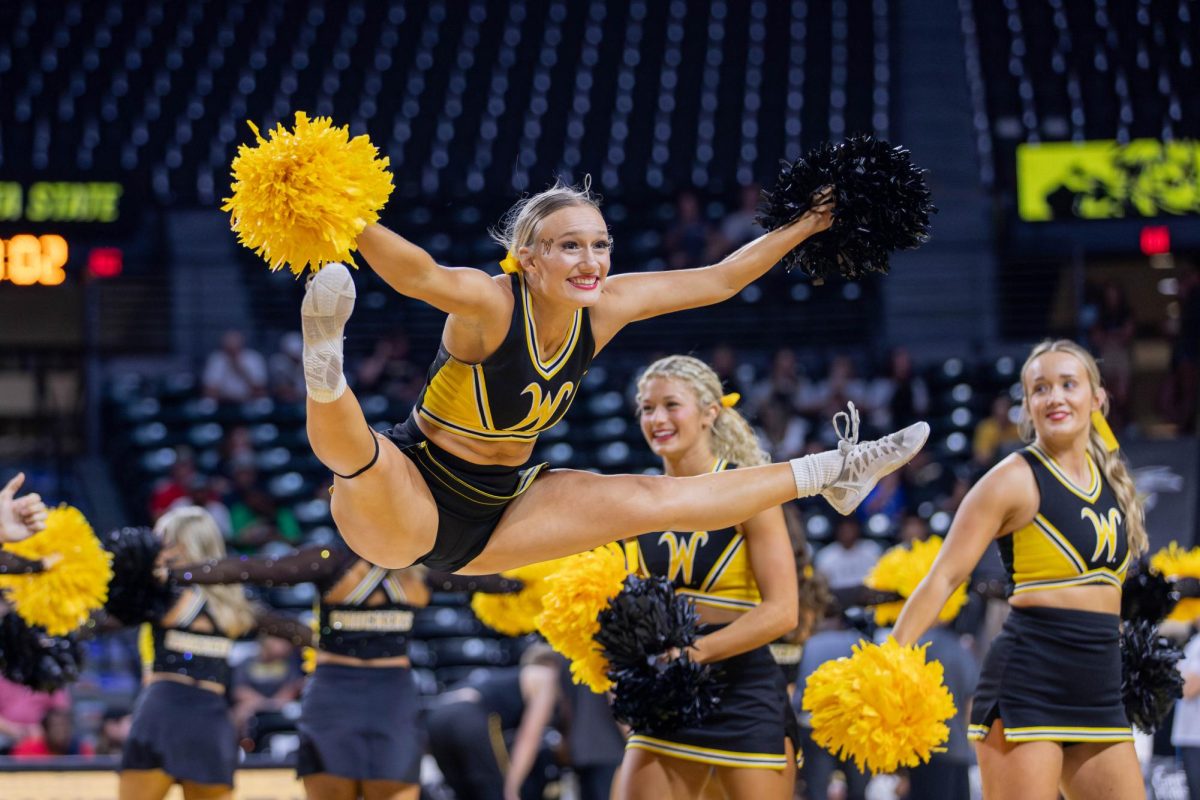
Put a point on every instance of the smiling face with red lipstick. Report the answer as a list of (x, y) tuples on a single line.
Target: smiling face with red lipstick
[(1060, 397), (569, 259)]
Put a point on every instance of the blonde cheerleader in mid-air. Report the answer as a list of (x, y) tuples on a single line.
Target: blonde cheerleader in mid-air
[(450, 487)]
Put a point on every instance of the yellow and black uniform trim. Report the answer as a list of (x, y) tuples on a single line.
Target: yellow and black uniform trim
[(711, 567), (1050, 733), (1077, 538), (707, 755), (514, 394)]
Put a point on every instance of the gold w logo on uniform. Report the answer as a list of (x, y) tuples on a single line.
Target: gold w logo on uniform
[(543, 409), (1106, 531), (683, 553)]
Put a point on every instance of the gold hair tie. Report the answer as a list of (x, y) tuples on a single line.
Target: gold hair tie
[(1106, 434), (730, 400), (510, 264)]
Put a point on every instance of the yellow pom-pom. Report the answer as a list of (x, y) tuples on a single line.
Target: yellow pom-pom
[(1173, 563), (575, 596), (900, 570), (302, 198), (64, 596), (884, 707), (515, 613)]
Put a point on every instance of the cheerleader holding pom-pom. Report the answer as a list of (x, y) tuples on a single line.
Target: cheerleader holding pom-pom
[(450, 487), (1048, 714)]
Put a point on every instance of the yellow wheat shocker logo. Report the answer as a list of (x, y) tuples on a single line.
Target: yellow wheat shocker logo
[(683, 553), (543, 409), (1106, 531)]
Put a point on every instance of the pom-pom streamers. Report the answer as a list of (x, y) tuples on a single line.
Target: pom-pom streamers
[(575, 596), (883, 205), (516, 613), (135, 594), (61, 598), (31, 657), (644, 621), (1147, 596), (1150, 682), (302, 197), (900, 570), (1173, 563), (884, 707)]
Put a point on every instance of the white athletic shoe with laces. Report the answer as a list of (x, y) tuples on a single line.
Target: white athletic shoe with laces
[(864, 463)]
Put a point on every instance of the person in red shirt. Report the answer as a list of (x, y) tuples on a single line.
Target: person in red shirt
[(57, 738)]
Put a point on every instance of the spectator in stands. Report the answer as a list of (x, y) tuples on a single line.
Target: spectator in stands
[(268, 681), (390, 371), (114, 730), (996, 435), (690, 240), (1111, 339), (1181, 390), (204, 492), (55, 737), (255, 516), (781, 434), (899, 396), (725, 363), (287, 369), (831, 394), (22, 711), (913, 529), (236, 449), (887, 498), (739, 226), (178, 484), (848, 559), (783, 385), (234, 373)]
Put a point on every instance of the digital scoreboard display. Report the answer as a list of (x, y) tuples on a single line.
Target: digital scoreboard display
[(1105, 180)]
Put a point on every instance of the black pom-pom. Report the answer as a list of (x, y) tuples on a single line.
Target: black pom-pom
[(644, 621), (1147, 596), (31, 657), (1150, 683), (883, 205), (135, 595)]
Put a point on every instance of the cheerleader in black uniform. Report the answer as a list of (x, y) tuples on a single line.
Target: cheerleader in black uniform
[(448, 487), (181, 730), (1048, 715), (358, 721), (742, 579)]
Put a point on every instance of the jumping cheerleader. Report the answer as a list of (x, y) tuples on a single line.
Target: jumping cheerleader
[(449, 487)]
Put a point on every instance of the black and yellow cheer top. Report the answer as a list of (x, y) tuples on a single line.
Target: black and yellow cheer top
[(711, 567), (514, 394), (199, 652), (1077, 538)]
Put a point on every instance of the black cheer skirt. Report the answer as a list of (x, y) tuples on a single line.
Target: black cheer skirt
[(360, 723), (1053, 675), (750, 726), (185, 731)]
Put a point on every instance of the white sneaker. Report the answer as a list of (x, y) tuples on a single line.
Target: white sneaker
[(866, 462)]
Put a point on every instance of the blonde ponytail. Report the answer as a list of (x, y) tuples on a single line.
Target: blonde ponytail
[(196, 533), (732, 438), (1110, 462)]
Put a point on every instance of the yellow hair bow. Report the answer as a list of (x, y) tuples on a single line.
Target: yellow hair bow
[(1106, 434), (510, 264), (730, 400)]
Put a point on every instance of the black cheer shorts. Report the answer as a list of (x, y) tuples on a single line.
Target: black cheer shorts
[(470, 498)]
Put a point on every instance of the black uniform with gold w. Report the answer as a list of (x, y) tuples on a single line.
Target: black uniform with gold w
[(750, 728), (512, 396), (1054, 674), (1077, 538)]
